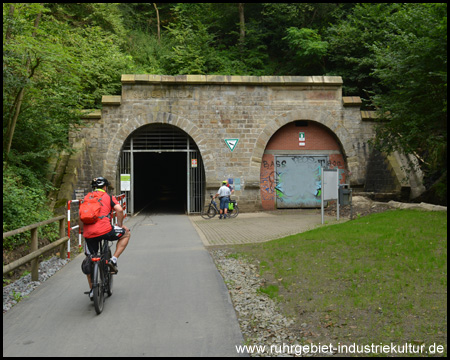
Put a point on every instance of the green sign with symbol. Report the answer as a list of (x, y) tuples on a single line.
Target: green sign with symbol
[(231, 143), (301, 139)]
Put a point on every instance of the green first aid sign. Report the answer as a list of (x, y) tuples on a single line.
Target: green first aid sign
[(301, 139)]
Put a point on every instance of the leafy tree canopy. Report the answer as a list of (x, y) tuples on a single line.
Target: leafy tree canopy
[(59, 58)]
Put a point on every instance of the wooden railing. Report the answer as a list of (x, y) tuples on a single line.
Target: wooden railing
[(35, 252)]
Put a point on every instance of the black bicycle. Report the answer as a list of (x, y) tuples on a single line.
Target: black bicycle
[(211, 209), (102, 278)]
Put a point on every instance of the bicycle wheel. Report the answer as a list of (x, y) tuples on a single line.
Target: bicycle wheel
[(109, 277), (208, 212), (235, 212), (99, 296)]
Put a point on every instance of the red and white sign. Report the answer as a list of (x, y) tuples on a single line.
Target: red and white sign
[(194, 163)]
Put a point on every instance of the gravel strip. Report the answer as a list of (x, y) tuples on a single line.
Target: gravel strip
[(24, 286), (260, 319)]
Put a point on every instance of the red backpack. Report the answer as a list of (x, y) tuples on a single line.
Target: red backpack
[(90, 207)]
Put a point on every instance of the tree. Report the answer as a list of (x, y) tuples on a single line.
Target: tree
[(308, 48), (350, 38), (158, 22), (282, 25), (52, 68), (412, 65), (17, 104), (241, 23)]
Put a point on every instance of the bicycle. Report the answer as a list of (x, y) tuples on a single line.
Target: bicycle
[(102, 278), (211, 209), (234, 211)]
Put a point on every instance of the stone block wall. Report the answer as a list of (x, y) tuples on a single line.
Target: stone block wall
[(380, 175), (76, 176), (212, 108)]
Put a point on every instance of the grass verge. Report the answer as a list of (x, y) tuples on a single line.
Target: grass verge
[(380, 279)]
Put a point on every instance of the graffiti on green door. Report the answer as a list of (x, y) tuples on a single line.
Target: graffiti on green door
[(298, 182)]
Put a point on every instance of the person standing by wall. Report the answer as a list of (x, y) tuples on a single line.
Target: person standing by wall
[(224, 197), (230, 187)]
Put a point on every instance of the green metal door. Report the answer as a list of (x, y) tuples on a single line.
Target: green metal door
[(298, 182)]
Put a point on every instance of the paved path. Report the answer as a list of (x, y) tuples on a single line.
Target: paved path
[(169, 300), (258, 227)]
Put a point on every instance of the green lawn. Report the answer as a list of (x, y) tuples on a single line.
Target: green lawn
[(377, 279)]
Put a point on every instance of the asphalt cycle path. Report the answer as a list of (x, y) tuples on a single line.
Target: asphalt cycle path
[(168, 300)]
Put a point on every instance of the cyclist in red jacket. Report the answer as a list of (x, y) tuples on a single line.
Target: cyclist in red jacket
[(102, 229)]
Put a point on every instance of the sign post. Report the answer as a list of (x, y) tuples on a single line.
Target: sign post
[(330, 188)]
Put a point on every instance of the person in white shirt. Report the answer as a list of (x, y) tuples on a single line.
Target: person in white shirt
[(224, 197)]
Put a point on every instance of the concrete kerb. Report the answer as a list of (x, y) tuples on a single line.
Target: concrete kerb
[(418, 206)]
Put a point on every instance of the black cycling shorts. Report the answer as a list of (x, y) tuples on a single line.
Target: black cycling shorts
[(93, 243)]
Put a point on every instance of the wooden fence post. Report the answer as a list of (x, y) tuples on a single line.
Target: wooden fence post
[(62, 232), (35, 253), (34, 262)]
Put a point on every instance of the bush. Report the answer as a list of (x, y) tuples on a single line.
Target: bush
[(24, 203)]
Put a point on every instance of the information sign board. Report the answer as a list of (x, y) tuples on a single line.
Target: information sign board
[(125, 182), (330, 188)]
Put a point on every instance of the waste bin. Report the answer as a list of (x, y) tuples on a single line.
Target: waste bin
[(344, 194)]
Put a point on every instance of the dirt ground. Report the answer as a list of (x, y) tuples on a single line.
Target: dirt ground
[(361, 206)]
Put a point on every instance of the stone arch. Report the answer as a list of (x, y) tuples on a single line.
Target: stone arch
[(115, 145), (294, 184), (325, 118)]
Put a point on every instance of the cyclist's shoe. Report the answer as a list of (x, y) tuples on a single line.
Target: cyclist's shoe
[(113, 266), (220, 217), (91, 295)]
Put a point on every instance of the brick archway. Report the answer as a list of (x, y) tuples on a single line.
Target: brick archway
[(325, 118)]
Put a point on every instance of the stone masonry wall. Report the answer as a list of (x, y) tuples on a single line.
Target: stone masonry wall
[(213, 108)]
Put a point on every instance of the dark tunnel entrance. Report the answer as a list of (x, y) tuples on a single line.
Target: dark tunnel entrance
[(165, 170), (160, 182)]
